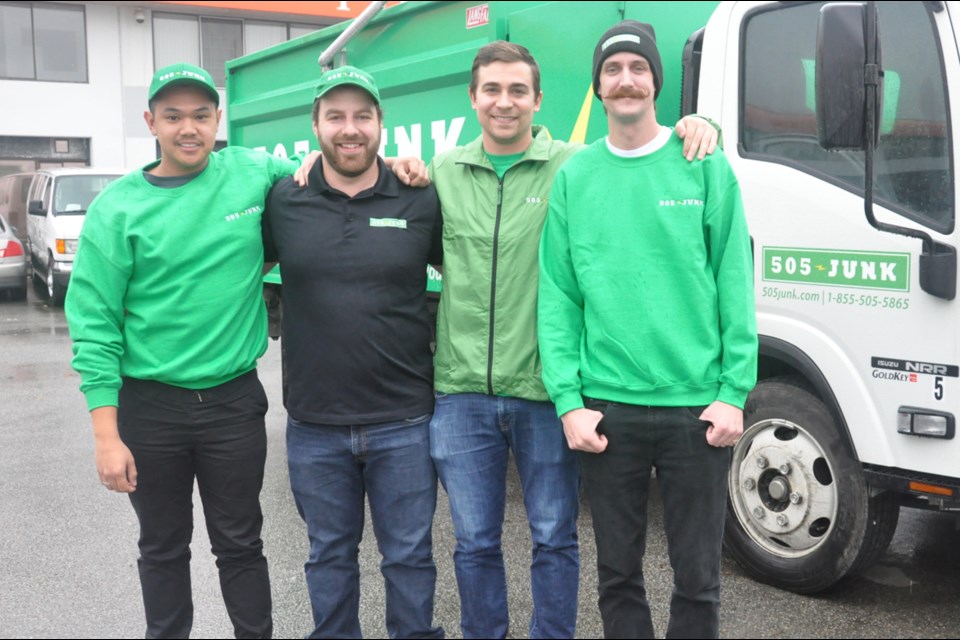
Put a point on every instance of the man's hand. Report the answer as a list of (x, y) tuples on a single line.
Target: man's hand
[(580, 428), (302, 176), (410, 170), (115, 464), (699, 137), (116, 467), (726, 424)]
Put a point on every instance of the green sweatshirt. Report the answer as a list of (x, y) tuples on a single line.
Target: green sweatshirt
[(167, 282), (646, 282)]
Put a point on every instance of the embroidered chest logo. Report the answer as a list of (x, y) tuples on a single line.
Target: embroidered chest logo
[(249, 211), (394, 223), (681, 202), (535, 200)]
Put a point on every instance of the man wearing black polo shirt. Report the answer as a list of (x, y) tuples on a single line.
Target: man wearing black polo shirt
[(353, 249)]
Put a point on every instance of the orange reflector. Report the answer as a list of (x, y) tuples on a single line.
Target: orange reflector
[(61, 246), (931, 488)]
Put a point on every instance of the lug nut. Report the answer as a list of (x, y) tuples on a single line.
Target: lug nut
[(782, 520), (795, 498), (750, 484), (758, 513), (785, 469), (762, 462)]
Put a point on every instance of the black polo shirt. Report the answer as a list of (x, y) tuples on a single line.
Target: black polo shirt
[(355, 320)]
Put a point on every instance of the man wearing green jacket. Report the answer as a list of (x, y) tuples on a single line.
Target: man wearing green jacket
[(167, 318), (490, 398), (648, 338)]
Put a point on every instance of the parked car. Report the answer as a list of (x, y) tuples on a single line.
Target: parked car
[(14, 190), (13, 263), (57, 206)]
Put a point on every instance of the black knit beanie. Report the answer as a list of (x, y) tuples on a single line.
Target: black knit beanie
[(635, 37)]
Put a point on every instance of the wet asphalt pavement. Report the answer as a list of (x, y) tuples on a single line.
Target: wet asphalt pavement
[(68, 551)]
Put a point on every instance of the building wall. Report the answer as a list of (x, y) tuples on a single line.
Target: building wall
[(136, 47), (75, 110)]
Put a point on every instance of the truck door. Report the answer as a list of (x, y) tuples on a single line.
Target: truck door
[(839, 298)]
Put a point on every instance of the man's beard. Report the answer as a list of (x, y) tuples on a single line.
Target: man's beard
[(355, 165)]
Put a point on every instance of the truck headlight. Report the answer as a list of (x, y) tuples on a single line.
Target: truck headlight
[(925, 422)]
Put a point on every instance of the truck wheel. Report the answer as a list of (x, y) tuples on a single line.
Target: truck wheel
[(55, 292), (800, 515)]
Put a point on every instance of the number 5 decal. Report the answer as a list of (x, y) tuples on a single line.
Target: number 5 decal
[(938, 388)]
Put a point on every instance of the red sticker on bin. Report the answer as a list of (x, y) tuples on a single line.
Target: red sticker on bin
[(478, 16)]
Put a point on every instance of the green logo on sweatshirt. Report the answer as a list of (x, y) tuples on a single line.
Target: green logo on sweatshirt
[(249, 211)]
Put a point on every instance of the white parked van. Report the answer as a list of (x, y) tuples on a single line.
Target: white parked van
[(57, 206)]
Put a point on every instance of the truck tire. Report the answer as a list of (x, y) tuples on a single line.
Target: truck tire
[(55, 292), (800, 515)]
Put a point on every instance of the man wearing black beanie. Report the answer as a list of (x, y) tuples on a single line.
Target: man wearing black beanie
[(635, 37), (648, 339)]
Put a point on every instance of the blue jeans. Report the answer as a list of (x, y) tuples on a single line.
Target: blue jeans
[(692, 476), (332, 468), (470, 439)]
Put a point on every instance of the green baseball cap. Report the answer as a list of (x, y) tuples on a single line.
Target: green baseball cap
[(347, 75), (183, 72)]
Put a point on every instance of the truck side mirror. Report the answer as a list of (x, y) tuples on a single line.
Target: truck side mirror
[(36, 208), (839, 86)]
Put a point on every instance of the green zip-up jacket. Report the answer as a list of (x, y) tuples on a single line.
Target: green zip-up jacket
[(487, 322)]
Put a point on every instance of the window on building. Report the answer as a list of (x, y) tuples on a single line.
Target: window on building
[(175, 39), (43, 41), (210, 42), (912, 171), (297, 30), (220, 40), (260, 35)]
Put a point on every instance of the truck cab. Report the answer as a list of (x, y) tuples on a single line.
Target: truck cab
[(854, 413)]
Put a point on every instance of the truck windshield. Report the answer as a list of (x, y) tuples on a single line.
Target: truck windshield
[(75, 193)]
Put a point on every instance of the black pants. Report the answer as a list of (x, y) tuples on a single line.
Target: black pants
[(216, 436), (692, 476)]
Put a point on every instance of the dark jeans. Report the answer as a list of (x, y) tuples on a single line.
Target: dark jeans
[(332, 469), (692, 476), (216, 436)]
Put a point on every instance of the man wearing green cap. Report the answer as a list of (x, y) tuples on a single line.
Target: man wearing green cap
[(353, 247), (166, 314)]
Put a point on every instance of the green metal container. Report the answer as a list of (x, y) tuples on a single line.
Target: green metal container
[(420, 54)]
